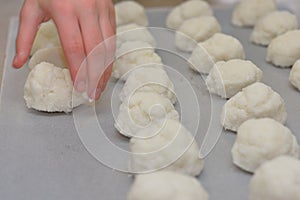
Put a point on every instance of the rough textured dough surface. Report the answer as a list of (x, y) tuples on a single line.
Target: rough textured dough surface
[(220, 47), (134, 32), (272, 25), (228, 78), (166, 145), (187, 10), (149, 79), (54, 55), (248, 12), (166, 185), (141, 109), (284, 50), (195, 30), (295, 75), (255, 101), (278, 179), (49, 88), (47, 36), (132, 55), (260, 140), (128, 12)]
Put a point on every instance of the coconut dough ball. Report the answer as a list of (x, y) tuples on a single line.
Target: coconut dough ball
[(49, 88), (132, 55), (165, 145), (47, 36), (255, 101), (272, 25), (166, 185), (187, 10), (219, 47), (133, 32), (130, 12), (149, 79), (278, 179), (54, 55), (140, 109), (295, 75), (194, 30), (228, 78), (260, 140), (248, 12), (284, 50)]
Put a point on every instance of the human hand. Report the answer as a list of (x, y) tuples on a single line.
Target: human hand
[(82, 25)]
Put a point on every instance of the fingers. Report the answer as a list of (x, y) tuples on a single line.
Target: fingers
[(109, 43), (71, 40), (92, 37), (30, 18)]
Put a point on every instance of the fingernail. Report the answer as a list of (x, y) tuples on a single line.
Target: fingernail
[(80, 86), (95, 94)]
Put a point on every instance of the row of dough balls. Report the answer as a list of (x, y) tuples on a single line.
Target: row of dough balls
[(147, 115), (276, 29)]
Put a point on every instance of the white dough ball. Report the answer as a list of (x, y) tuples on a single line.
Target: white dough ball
[(47, 36), (166, 185), (134, 32), (195, 30), (248, 12), (219, 47), (187, 10), (295, 75), (149, 79), (132, 55), (140, 109), (260, 140), (49, 88), (128, 12), (255, 101), (272, 25), (166, 145), (228, 78), (284, 50), (278, 179), (53, 55)]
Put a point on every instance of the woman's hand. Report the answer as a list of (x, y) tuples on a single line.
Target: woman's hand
[(82, 25)]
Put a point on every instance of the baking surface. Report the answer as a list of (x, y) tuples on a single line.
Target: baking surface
[(42, 157)]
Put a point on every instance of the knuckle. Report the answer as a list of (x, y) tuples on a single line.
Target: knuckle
[(62, 6)]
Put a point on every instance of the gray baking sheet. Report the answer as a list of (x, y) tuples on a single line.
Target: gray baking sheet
[(42, 156)]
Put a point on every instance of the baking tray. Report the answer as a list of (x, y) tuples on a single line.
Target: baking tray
[(42, 156)]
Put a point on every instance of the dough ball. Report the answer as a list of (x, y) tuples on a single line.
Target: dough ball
[(47, 36), (228, 78), (194, 30), (278, 179), (260, 140), (165, 145), (272, 25), (130, 12), (133, 32), (284, 50), (187, 10), (219, 47), (248, 12), (132, 55), (49, 88), (255, 101), (54, 55), (140, 109), (295, 75), (166, 185), (149, 79)]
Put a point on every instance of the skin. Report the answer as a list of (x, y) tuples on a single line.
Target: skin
[(82, 25)]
